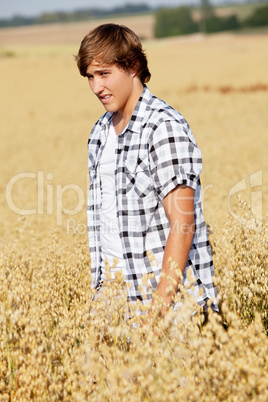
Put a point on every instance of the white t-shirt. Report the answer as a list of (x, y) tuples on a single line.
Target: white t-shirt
[(111, 245)]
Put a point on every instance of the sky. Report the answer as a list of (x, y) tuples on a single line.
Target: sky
[(9, 8)]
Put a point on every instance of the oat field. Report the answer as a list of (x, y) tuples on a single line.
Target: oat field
[(52, 346)]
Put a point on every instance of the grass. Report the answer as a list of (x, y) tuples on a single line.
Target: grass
[(53, 345)]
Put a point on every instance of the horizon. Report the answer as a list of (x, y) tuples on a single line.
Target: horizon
[(32, 9)]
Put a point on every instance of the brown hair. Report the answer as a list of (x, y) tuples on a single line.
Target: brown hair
[(113, 44)]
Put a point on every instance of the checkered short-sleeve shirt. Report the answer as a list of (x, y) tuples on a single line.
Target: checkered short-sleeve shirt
[(155, 153)]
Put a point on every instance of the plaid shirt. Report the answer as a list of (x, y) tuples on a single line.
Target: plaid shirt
[(154, 154)]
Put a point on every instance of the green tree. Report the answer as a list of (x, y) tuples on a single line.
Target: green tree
[(175, 21), (206, 11), (258, 18), (217, 24)]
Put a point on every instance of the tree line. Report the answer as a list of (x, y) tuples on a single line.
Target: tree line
[(179, 21), (75, 16), (169, 21)]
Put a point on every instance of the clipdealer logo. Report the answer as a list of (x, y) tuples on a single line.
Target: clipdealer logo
[(254, 183), (49, 196)]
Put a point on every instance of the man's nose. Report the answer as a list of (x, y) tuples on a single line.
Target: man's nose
[(97, 86)]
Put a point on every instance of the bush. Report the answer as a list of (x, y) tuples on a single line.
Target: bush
[(217, 24), (172, 22), (258, 18)]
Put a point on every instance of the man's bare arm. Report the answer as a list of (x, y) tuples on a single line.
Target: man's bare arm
[(179, 208)]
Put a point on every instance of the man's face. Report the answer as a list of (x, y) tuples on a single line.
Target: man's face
[(113, 86)]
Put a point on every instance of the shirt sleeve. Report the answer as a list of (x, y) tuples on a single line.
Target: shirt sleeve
[(174, 157)]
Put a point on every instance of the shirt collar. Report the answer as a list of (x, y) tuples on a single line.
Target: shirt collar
[(136, 119)]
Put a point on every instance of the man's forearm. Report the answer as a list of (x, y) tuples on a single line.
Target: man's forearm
[(177, 249), (179, 208)]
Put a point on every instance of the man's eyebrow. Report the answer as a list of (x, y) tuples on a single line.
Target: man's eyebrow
[(99, 70), (103, 68)]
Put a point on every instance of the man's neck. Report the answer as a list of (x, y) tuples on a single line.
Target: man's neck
[(120, 120)]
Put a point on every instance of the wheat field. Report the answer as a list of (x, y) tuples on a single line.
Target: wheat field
[(51, 348)]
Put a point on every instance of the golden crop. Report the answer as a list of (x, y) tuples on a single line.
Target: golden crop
[(53, 344)]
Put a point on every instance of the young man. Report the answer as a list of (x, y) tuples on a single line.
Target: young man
[(144, 166)]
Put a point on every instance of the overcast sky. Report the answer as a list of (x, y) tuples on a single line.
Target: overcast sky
[(8, 8)]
